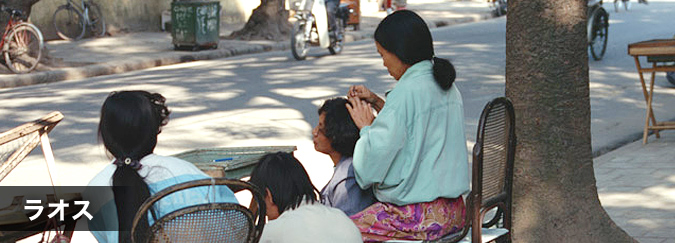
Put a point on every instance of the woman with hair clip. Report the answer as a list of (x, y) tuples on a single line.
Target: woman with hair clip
[(292, 208), (129, 125), (413, 155)]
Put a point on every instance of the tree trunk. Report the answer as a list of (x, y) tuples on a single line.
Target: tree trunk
[(269, 21), (555, 196), (23, 5)]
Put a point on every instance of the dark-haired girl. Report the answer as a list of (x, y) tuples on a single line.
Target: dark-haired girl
[(129, 125), (292, 208), (413, 154)]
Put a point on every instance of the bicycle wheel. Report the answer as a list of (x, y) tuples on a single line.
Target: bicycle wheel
[(299, 45), (96, 21), (599, 31), (23, 48), (68, 22)]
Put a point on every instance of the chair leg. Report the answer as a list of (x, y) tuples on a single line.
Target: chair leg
[(504, 238)]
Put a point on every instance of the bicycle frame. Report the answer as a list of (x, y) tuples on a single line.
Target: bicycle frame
[(13, 22), (83, 8)]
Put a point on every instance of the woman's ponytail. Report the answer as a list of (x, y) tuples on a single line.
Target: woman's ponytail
[(444, 72), (130, 122), (130, 191)]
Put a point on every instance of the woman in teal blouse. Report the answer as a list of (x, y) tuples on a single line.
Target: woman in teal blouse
[(413, 154)]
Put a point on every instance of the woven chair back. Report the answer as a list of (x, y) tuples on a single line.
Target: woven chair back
[(493, 158), (495, 136), (205, 223), (211, 222)]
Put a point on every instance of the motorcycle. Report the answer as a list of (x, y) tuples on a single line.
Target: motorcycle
[(311, 27)]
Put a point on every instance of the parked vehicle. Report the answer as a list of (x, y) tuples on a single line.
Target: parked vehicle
[(619, 3), (498, 7), (22, 42), (598, 27), (71, 21), (671, 77), (311, 27)]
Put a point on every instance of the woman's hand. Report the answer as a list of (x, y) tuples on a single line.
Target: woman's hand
[(364, 94), (361, 112), (361, 92)]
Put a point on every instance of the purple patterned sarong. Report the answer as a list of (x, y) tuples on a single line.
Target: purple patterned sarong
[(419, 221)]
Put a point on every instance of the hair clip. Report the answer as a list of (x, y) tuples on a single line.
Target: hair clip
[(128, 162)]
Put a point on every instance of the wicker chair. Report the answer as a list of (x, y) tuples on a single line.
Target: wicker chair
[(492, 178), (211, 222)]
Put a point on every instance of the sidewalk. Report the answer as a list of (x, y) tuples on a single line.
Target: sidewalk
[(636, 185), (140, 50)]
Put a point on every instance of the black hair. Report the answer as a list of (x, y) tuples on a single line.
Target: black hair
[(407, 36), (286, 178), (339, 126), (130, 122)]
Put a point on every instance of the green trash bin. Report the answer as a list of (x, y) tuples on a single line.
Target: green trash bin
[(195, 24)]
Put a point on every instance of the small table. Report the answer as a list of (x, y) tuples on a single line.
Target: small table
[(659, 52), (230, 162)]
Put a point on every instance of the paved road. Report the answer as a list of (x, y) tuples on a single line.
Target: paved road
[(271, 99)]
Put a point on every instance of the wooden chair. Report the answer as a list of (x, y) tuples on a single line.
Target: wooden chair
[(492, 178), (492, 173), (18, 142), (15, 145), (210, 222)]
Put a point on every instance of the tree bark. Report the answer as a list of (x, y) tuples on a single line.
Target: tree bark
[(555, 195), (269, 21)]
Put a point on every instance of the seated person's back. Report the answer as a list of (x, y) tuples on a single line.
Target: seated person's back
[(130, 123), (292, 208)]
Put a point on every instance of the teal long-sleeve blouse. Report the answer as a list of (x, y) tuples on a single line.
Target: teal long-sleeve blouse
[(415, 150)]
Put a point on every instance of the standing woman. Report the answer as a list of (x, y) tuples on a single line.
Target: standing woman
[(129, 125), (413, 154)]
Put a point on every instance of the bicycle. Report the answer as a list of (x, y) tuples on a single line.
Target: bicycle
[(71, 20), (598, 28), (22, 42)]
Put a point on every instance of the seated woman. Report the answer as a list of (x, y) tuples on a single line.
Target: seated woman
[(291, 205), (414, 153), (129, 125), (336, 135)]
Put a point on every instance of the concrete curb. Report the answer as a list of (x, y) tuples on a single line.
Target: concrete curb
[(131, 64), (622, 142)]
